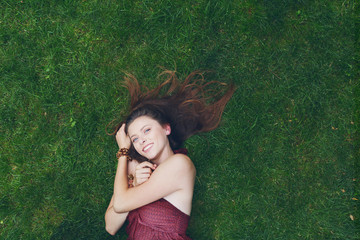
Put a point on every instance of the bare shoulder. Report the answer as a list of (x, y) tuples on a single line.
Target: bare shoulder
[(181, 162)]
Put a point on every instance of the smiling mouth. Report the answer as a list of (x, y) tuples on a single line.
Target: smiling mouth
[(147, 147)]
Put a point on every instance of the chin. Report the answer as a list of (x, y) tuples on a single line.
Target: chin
[(151, 156)]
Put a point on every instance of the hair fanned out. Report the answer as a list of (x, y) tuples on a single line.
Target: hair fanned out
[(190, 107)]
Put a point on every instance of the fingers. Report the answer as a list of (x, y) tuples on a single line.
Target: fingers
[(140, 181), (146, 165), (143, 172), (121, 138), (121, 129), (121, 132), (142, 175)]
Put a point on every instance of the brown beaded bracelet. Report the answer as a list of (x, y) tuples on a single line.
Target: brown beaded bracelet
[(123, 152)]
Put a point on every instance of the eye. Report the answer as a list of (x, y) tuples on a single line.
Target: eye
[(147, 130), (134, 140)]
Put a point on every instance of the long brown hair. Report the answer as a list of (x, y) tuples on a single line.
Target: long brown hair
[(190, 107)]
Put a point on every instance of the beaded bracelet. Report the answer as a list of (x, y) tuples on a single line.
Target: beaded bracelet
[(123, 152), (131, 180)]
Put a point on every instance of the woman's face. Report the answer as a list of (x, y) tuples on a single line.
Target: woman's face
[(148, 136)]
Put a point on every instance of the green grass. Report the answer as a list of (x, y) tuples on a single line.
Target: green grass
[(283, 164)]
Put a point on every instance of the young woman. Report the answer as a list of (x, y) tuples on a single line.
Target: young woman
[(154, 181)]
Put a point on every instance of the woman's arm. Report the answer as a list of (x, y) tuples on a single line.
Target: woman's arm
[(175, 174), (113, 220)]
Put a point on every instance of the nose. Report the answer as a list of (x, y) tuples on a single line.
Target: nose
[(142, 140)]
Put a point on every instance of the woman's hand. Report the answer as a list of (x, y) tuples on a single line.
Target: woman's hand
[(143, 172), (122, 138)]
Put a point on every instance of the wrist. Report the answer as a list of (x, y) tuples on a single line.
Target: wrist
[(121, 147), (123, 153)]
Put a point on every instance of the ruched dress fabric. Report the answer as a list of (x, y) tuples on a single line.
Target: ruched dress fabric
[(159, 220)]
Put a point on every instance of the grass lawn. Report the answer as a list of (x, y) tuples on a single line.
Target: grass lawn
[(284, 163)]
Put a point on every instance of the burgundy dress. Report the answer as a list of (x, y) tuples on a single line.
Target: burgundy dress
[(158, 220)]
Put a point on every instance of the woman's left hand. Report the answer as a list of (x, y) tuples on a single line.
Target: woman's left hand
[(122, 138), (143, 172)]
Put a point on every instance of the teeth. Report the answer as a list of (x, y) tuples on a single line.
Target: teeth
[(147, 147)]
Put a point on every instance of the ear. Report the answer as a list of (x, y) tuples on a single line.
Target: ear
[(167, 129)]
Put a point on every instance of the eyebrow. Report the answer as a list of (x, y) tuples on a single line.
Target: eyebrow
[(146, 125)]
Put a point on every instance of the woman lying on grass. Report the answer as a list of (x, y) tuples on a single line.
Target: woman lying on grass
[(154, 181)]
